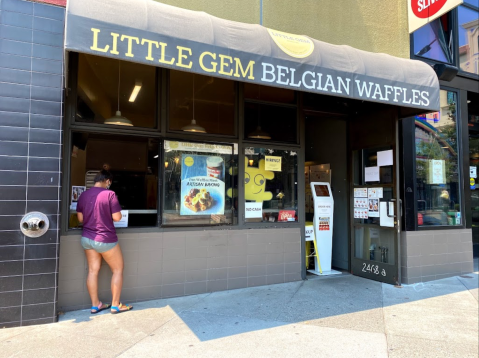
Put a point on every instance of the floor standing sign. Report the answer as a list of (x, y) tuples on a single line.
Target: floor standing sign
[(323, 227)]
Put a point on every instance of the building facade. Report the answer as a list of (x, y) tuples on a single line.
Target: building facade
[(59, 97)]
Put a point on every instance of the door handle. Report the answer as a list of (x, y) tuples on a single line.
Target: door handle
[(388, 213)]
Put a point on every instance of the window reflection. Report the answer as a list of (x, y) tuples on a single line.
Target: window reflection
[(437, 166), (468, 40), (107, 85), (432, 41)]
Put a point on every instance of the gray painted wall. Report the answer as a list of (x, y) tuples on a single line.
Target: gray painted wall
[(326, 142), (435, 254), (169, 264)]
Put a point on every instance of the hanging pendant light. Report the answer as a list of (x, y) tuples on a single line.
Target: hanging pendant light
[(193, 127), (118, 119), (258, 133)]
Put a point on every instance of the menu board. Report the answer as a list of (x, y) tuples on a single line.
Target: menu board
[(375, 193)]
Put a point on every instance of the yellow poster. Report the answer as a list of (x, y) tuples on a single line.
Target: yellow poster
[(272, 163)]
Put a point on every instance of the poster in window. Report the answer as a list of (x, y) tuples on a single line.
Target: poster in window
[(202, 185), (437, 172), (76, 192), (373, 208)]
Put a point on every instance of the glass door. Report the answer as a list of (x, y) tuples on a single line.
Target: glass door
[(374, 205)]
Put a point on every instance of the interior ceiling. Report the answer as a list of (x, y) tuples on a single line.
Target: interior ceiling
[(106, 72)]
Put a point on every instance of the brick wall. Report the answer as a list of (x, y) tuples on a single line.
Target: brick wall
[(31, 67)]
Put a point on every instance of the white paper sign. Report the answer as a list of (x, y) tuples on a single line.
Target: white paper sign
[(385, 158), (375, 193), (309, 233), (371, 174), (384, 219), (360, 192), (253, 210), (473, 172), (123, 221)]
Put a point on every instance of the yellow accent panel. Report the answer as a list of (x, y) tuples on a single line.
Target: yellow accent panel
[(255, 182)]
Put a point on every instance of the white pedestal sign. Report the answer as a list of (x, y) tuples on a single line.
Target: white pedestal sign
[(323, 227)]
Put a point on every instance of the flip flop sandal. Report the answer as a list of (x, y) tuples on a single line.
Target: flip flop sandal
[(100, 308), (119, 308)]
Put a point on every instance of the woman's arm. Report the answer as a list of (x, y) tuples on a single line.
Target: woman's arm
[(116, 216), (80, 217)]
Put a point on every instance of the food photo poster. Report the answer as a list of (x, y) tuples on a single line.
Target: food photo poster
[(76, 192), (202, 185)]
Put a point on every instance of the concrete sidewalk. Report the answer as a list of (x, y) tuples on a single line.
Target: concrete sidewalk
[(340, 316)]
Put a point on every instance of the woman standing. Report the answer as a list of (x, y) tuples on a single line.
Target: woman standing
[(97, 209)]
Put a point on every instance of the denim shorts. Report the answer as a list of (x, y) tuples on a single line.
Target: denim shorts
[(100, 247)]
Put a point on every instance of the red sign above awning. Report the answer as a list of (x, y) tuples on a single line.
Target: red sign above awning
[(421, 12)]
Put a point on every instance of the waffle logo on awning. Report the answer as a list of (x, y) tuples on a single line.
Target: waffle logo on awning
[(293, 45)]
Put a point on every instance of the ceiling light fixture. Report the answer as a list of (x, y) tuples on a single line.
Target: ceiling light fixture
[(258, 133), (135, 91), (118, 119), (193, 127)]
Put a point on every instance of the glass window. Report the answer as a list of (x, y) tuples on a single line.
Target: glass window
[(199, 184), (267, 121), (270, 122), (115, 92), (134, 165), (201, 104), (472, 2), (468, 39), (269, 94), (437, 165), (433, 41), (271, 185), (473, 114)]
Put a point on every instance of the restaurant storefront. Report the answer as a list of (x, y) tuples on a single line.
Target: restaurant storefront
[(190, 120), (213, 131)]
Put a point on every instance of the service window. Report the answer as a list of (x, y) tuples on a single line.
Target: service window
[(271, 185), (133, 162), (199, 184)]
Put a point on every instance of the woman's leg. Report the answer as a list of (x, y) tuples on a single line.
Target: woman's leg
[(94, 263), (114, 258)]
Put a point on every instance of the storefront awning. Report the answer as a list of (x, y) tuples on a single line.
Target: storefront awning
[(156, 34)]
